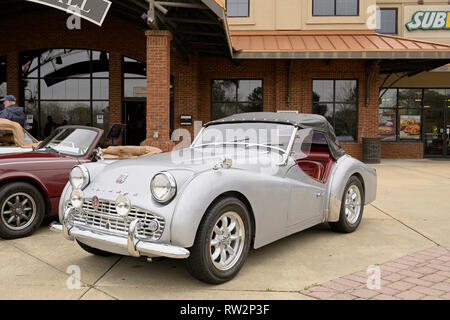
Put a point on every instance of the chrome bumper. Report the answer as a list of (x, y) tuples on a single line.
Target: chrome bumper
[(135, 247)]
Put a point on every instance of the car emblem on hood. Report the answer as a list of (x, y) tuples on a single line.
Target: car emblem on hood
[(121, 179), (95, 203)]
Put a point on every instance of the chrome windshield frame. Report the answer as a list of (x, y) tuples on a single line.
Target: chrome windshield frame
[(285, 152)]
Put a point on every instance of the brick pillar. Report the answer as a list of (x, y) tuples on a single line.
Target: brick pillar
[(158, 89), (12, 74), (115, 89)]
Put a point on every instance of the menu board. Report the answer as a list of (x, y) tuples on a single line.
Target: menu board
[(409, 127), (386, 125)]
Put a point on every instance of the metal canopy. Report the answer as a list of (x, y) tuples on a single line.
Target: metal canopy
[(197, 26), (410, 66)]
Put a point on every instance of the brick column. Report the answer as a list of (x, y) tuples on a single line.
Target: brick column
[(158, 89), (12, 74)]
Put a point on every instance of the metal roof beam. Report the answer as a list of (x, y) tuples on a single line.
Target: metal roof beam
[(193, 21), (182, 5)]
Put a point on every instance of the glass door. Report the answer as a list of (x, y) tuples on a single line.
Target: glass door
[(447, 132), (135, 119), (435, 115), (433, 131)]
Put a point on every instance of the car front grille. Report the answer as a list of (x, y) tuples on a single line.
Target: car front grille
[(107, 219)]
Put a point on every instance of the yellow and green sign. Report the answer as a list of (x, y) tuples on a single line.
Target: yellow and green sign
[(429, 20)]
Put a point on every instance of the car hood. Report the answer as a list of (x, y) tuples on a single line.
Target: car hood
[(181, 165), (197, 160), (33, 157)]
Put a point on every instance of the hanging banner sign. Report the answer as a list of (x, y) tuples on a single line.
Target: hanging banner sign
[(92, 10), (429, 20)]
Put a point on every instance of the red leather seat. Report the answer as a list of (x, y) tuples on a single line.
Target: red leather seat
[(313, 169), (315, 165)]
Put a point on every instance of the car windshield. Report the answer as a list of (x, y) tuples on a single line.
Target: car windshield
[(28, 138), (271, 135), (69, 141)]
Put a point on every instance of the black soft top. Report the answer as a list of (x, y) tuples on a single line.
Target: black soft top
[(302, 120)]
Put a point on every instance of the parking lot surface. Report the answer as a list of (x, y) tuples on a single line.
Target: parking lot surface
[(409, 218)]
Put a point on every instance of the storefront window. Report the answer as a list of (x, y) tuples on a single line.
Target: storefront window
[(402, 112), (337, 100), (65, 86), (238, 8), (3, 88), (233, 96), (409, 113), (335, 7), (134, 78), (387, 115)]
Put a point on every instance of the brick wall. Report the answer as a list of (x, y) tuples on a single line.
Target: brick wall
[(192, 82), (29, 31), (274, 74), (402, 150)]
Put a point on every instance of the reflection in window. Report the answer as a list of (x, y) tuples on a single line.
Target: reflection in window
[(335, 7), (134, 78), (235, 96), (65, 86), (238, 8), (387, 123), (387, 20), (337, 100), (400, 112), (3, 88)]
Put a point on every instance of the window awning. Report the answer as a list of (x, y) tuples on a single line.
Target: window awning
[(332, 45), (198, 26)]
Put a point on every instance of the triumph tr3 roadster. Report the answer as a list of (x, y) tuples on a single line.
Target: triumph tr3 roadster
[(246, 181)]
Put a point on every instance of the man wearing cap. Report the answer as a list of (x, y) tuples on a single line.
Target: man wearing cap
[(12, 111)]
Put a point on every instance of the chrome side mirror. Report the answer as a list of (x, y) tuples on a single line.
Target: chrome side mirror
[(98, 154)]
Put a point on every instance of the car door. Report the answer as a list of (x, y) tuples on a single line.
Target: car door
[(306, 201)]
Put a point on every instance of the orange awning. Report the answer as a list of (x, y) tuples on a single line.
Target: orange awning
[(332, 45)]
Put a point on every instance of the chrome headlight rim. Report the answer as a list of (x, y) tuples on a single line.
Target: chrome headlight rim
[(77, 195), (123, 206), (85, 175), (172, 188)]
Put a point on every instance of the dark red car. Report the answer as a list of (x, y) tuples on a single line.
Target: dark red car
[(31, 183)]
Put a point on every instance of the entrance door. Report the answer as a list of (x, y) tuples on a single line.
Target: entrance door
[(135, 118), (436, 116), (447, 130)]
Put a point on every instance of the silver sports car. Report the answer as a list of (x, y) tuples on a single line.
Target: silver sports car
[(245, 181)]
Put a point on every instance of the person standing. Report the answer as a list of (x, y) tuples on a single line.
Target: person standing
[(12, 111)]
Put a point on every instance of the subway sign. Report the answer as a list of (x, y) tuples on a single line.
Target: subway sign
[(429, 20), (92, 10)]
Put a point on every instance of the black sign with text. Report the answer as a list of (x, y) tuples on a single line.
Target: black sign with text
[(92, 10)]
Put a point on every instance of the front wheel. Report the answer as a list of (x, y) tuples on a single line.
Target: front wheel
[(22, 209), (222, 242), (352, 207)]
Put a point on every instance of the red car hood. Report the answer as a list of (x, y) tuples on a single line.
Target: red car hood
[(33, 160)]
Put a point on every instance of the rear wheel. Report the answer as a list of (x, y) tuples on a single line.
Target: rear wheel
[(352, 207), (222, 242), (22, 209), (94, 251)]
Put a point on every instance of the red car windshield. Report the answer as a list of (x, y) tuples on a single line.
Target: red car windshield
[(70, 141)]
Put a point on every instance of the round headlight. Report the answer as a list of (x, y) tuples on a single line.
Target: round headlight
[(76, 198), (123, 206), (163, 187), (79, 177)]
